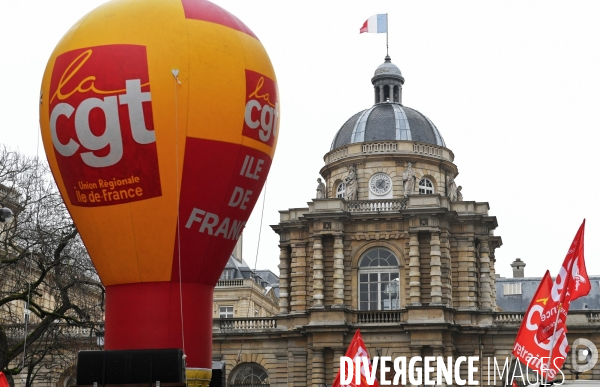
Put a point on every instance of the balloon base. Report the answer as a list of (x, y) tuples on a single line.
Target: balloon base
[(198, 377)]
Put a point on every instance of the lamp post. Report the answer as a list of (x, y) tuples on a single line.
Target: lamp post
[(100, 337)]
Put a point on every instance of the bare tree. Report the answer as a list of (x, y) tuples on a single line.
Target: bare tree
[(47, 280)]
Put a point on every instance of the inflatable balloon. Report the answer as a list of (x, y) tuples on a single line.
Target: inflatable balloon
[(159, 119)]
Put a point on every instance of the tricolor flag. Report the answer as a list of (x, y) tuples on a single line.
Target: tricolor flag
[(376, 24)]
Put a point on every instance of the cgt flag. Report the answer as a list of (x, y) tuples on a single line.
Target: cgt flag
[(527, 348), (571, 283), (375, 24), (357, 349)]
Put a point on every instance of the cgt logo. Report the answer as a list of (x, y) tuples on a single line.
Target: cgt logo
[(101, 125), (261, 116)]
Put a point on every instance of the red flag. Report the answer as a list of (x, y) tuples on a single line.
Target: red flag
[(530, 351), (3, 381), (356, 349), (571, 283)]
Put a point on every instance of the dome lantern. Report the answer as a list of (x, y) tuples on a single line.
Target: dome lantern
[(387, 82)]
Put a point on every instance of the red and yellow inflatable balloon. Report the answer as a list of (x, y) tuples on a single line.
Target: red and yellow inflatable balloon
[(159, 120)]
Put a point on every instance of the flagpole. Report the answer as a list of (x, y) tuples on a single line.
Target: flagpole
[(387, 28), (552, 342)]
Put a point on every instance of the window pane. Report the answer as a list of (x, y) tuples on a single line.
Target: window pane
[(364, 305), (364, 287), (373, 277), (393, 276), (373, 287), (385, 277), (364, 278)]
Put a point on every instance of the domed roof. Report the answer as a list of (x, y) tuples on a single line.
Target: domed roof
[(388, 122), (388, 69)]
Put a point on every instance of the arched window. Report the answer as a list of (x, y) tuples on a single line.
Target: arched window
[(340, 192), (378, 280), (248, 374), (425, 186)]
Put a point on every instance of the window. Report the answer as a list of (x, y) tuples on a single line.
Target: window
[(227, 274), (512, 289), (425, 186), (379, 282), (341, 191), (249, 374), (225, 311)]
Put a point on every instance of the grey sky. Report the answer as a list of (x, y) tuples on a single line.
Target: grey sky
[(511, 85)]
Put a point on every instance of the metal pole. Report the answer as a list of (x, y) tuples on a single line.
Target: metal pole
[(552, 342), (387, 28)]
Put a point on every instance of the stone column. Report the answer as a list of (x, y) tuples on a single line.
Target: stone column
[(467, 284), (439, 352), (318, 272), (381, 94), (493, 281), (484, 260), (338, 271), (337, 354), (436, 269), (284, 277), (318, 367), (298, 278), (414, 270), (414, 352)]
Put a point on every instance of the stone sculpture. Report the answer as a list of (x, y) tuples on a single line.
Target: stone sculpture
[(351, 183), (320, 189), (452, 189), (459, 197), (408, 180)]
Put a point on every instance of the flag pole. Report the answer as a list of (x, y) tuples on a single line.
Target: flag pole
[(552, 342), (387, 28)]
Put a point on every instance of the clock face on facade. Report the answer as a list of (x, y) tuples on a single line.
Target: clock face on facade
[(380, 184)]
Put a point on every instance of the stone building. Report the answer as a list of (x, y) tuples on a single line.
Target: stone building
[(393, 250), (515, 294), (244, 292)]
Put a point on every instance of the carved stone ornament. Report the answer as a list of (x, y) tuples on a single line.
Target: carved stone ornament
[(424, 221), (320, 189), (326, 225)]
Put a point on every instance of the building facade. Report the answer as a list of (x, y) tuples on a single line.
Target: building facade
[(390, 247)]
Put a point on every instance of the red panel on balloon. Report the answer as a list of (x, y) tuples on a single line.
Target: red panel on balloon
[(207, 11), (215, 204), (261, 113), (148, 315), (101, 125)]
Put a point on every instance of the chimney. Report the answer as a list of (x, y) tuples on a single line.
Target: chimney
[(518, 268)]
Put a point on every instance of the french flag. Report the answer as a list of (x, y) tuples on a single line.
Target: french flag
[(376, 24)]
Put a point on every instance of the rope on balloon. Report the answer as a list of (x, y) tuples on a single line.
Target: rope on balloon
[(262, 212), (176, 81)]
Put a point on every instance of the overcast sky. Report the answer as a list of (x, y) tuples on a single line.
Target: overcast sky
[(513, 86)]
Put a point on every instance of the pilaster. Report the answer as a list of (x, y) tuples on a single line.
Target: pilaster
[(484, 259), (298, 276), (284, 277), (415, 271), (318, 272), (318, 367), (338, 271), (436, 270)]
